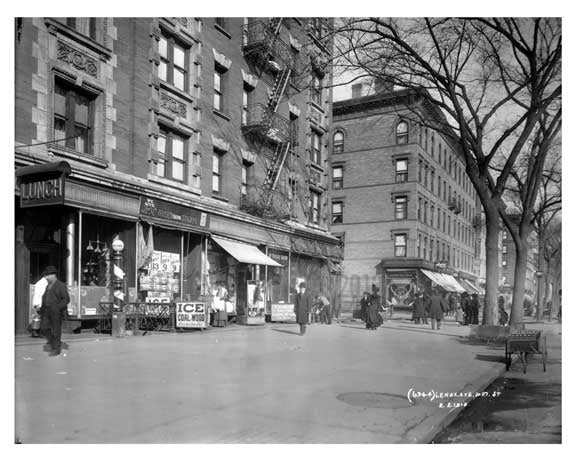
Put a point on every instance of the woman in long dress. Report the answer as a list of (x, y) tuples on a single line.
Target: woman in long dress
[(373, 317)]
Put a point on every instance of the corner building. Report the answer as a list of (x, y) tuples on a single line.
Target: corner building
[(201, 143), (400, 199)]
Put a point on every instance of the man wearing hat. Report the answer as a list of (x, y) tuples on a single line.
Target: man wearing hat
[(54, 305), (302, 308)]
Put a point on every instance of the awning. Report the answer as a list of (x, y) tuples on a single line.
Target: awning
[(453, 283), (245, 253), (446, 281), (469, 286)]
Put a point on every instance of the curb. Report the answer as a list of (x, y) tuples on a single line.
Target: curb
[(429, 434)]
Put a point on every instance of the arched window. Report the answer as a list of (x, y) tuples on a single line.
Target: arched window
[(402, 133), (338, 142)]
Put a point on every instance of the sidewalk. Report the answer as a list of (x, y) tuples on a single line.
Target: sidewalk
[(529, 409), (339, 383)]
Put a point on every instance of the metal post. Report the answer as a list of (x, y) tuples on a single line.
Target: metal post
[(118, 314), (79, 311), (70, 240)]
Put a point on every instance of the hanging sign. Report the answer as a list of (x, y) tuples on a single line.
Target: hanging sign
[(172, 212), (191, 315)]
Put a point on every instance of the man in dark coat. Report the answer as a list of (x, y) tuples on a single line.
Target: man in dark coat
[(437, 308), (302, 308), (364, 303), (419, 309), (54, 309), (474, 309)]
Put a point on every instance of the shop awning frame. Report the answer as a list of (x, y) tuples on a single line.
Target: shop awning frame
[(469, 286), (446, 281), (245, 253)]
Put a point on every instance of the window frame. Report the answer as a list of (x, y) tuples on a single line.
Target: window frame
[(337, 145), (315, 208), (217, 173), (403, 247), (316, 91), (220, 90), (339, 215), (402, 136), (337, 181), (72, 91), (401, 207), (168, 155), (92, 27), (315, 153), (169, 61), (401, 175)]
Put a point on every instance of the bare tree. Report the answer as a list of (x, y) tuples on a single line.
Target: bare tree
[(492, 80), (538, 199)]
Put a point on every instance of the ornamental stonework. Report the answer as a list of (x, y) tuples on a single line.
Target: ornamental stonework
[(77, 59), (171, 105)]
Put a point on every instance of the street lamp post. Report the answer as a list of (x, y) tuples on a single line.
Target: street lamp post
[(118, 314), (538, 304)]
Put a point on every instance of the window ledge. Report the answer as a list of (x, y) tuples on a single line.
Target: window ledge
[(220, 198), (84, 158), (223, 31), (316, 167), (174, 184), (80, 38), (221, 114), (168, 86)]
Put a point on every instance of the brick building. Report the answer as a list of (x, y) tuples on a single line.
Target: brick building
[(200, 142), (400, 199)]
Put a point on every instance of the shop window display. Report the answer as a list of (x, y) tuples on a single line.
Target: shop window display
[(96, 273)]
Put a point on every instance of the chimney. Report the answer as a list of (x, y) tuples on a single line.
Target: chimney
[(383, 85), (357, 90)]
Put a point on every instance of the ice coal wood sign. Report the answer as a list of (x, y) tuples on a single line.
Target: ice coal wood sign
[(191, 315), (42, 185)]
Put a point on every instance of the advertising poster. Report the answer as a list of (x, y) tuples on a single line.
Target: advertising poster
[(192, 315), (283, 313), (256, 299)]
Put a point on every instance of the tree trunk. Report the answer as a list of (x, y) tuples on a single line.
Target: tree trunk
[(492, 268), (517, 311)]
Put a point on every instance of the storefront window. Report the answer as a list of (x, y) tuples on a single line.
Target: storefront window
[(160, 277), (278, 282), (98, 232), (221, 281)]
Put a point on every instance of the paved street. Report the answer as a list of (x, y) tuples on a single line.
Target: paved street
[(338, 384)]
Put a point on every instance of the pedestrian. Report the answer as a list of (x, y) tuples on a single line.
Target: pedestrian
[(54, 309), (426, 302), (39, 289), (451, 304), (302, 307), (373, 317), (325, 309), (364, 303), (437, 308), (474, 309), (465, 304), (419, 309)]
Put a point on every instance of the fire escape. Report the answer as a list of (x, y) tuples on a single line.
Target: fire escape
[(264, 47)]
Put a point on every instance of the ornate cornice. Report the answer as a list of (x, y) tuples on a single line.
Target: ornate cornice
[(172, 105), (77, 59)]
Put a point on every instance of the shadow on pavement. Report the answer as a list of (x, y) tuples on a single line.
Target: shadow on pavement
[(491, 358), (288, 332)]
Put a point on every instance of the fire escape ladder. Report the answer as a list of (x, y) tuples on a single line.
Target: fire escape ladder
[(275, 24), (278, 89), (275, 166)]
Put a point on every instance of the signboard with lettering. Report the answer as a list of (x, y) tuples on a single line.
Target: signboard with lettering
[(192, 315), (283, 313), (173, 212), (40, 192)]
